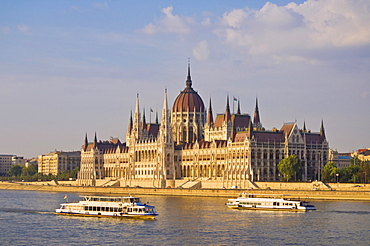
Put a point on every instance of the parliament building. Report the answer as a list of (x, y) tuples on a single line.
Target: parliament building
[(189, 147)]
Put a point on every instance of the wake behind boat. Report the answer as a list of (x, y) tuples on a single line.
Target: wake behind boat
[(268, 202), (103, 206)]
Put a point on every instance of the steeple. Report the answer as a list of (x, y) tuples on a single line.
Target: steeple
[(256, 118), (143, 124), (165, 130), (95, 141), (156, 117), (86, 143), (210, 113), (322, 130), (238, 111), (188, 79), (130, 123), (227, 113), (136, 127), (304, 126)]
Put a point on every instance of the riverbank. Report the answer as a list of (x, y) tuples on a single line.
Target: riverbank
[(227, 193)]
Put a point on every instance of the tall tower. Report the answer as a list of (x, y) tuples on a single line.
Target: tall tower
[(135, 128), (166, 166)]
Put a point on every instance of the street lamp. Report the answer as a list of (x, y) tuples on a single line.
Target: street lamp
[(337, 177)]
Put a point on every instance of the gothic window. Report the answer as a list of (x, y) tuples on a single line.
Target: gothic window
[(191, 134)]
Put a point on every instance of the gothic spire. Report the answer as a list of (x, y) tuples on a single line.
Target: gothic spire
[(256, 118), (322, 130), (130, 123), (95, 141), (238, 111), (210, 113), (86, 142), (143, 124), (136, 126), (165, 130), (227, 113)]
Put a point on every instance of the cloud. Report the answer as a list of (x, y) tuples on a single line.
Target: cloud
[(201, 51), (313, 25), (336, 22), (23, 28), (169, 23), (101, 5)]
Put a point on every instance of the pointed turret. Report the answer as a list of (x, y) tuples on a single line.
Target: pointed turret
[(227, 113), (95, 141), (256, 119), (304, 126), (238, 111), (130, 123), (156, 118), (136, 126), (143, 123), (322, 130), (86, 143), (210, 113), (165, 130)]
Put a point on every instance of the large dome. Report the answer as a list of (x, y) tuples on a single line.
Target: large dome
[(188, 100)]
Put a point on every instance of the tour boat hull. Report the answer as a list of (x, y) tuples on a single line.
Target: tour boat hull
[(268, 202)]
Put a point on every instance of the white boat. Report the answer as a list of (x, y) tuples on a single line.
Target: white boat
[(103, 206), (268, 202)]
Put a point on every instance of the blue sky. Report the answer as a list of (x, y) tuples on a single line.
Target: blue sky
[(73, 67)]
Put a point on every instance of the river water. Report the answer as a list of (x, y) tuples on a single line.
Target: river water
[(26, 218)]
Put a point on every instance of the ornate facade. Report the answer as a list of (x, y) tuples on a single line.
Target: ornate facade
[(189, 146)]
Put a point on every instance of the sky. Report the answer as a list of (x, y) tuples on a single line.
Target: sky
[(70, 68)]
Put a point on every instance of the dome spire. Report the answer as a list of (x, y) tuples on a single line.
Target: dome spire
[(188, 79)]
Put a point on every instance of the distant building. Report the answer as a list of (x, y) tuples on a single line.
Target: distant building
[(341, 160), (30, 162), (362, 154), (6, 161), (58, 161), (188, 146)]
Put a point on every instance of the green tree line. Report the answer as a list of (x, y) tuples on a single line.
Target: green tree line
[(18, 173), (357, 172)]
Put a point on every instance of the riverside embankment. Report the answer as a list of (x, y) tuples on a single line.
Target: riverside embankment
[(359, 195)]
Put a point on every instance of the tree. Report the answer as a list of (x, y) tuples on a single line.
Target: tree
[(29, 171), (349, 174), (364, 172), (289, 167), (329, 172), (15, 170)]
